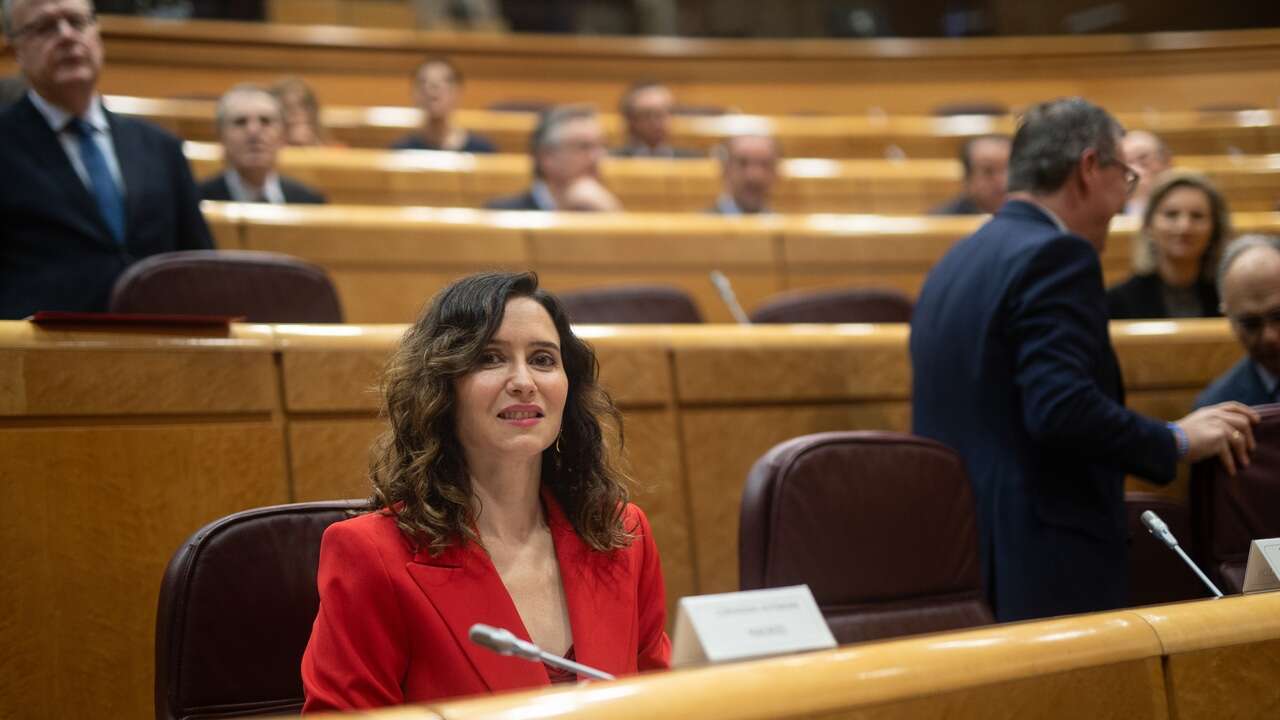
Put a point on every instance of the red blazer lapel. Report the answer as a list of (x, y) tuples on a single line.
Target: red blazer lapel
[(464, 587), (601, 611)]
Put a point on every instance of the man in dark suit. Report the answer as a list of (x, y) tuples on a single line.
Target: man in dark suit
[(646, 108), (1013, 368), (985, 160), (251, 126), (83, 192), (566, 147), (1249, 281)]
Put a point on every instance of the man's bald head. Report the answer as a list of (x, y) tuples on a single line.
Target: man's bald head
[(1249, 284)]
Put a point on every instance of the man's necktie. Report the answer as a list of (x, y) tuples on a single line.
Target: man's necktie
[(105, 191)]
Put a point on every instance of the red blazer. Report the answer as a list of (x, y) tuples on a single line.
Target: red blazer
[(392, 626)]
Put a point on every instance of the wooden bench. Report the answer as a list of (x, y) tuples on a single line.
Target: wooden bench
[(350, 66)]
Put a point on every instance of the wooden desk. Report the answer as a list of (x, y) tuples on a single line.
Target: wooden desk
[(387, 261), (1099, 666), (351, 176), (829, 136), (1166, 71), (116, 446)]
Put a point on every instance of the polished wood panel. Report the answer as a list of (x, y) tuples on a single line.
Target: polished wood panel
[(353, 66), (1223, 656), (1105, 666)]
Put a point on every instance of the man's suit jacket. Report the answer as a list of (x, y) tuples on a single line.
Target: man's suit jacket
[(1142, 296), (523, 201), (216, 188), (1241, 383), (56, 252), (960, 205), (1013, 368), (393, 623)]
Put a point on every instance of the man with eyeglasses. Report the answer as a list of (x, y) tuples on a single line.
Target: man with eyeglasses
[(566, 146), (83, 192), (1013, 368), (1249, 284)]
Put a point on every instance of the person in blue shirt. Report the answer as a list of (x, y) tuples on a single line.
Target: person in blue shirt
[(437, 90)]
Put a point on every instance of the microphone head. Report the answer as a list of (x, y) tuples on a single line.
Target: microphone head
[(503, 642), (1157, 527)]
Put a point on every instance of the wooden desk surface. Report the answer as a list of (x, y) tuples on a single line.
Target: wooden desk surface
[(822, 136)]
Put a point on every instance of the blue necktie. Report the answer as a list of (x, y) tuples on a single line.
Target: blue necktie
[(105, 191)]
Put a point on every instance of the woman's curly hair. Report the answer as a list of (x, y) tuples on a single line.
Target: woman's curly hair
[(418, 469)]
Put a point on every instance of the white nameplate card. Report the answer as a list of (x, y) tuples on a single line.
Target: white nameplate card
[(749, 624), (1260, 574)]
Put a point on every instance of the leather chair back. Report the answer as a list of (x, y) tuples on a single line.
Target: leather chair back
[(1156, 574), (853, 305), (261, 286), (880, 525), (1229, 512), (236, 607), (623, 304)]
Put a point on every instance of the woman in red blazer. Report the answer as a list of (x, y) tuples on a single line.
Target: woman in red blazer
[(496, 502)]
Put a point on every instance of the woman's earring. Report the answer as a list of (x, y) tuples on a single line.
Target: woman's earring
[(557, 444)]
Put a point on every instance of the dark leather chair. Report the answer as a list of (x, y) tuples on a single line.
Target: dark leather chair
[(261, 286), (880, 525), (1156, 574), (1228, 513), (236, 607), (623, 304), (853, 305)]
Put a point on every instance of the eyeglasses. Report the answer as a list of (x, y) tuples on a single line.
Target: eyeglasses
[(1131, 176), (1253, 324), (49, 26)]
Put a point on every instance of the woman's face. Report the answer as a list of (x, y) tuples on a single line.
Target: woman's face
[(1182, 224), (511, 403)]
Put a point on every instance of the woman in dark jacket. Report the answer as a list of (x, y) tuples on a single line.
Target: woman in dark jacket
[(1175, 254)]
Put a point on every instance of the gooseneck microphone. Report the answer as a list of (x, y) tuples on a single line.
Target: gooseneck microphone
[(1158, 528), (725, 290), (504, 642)]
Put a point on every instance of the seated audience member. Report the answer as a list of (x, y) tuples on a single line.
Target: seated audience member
[(251, 126), (83, 192), (301, 109), (566, 146), (1249, 280), (1147, 154), (1175, 253), (497, 502), (646, 109), (437, 88), (748, 172), (12, 89), (985, 160)]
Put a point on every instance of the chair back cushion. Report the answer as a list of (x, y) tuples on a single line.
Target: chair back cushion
[(854, 305), (261, 286), (236, 607), (625, 304), (881, 526), (1229, 512)]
